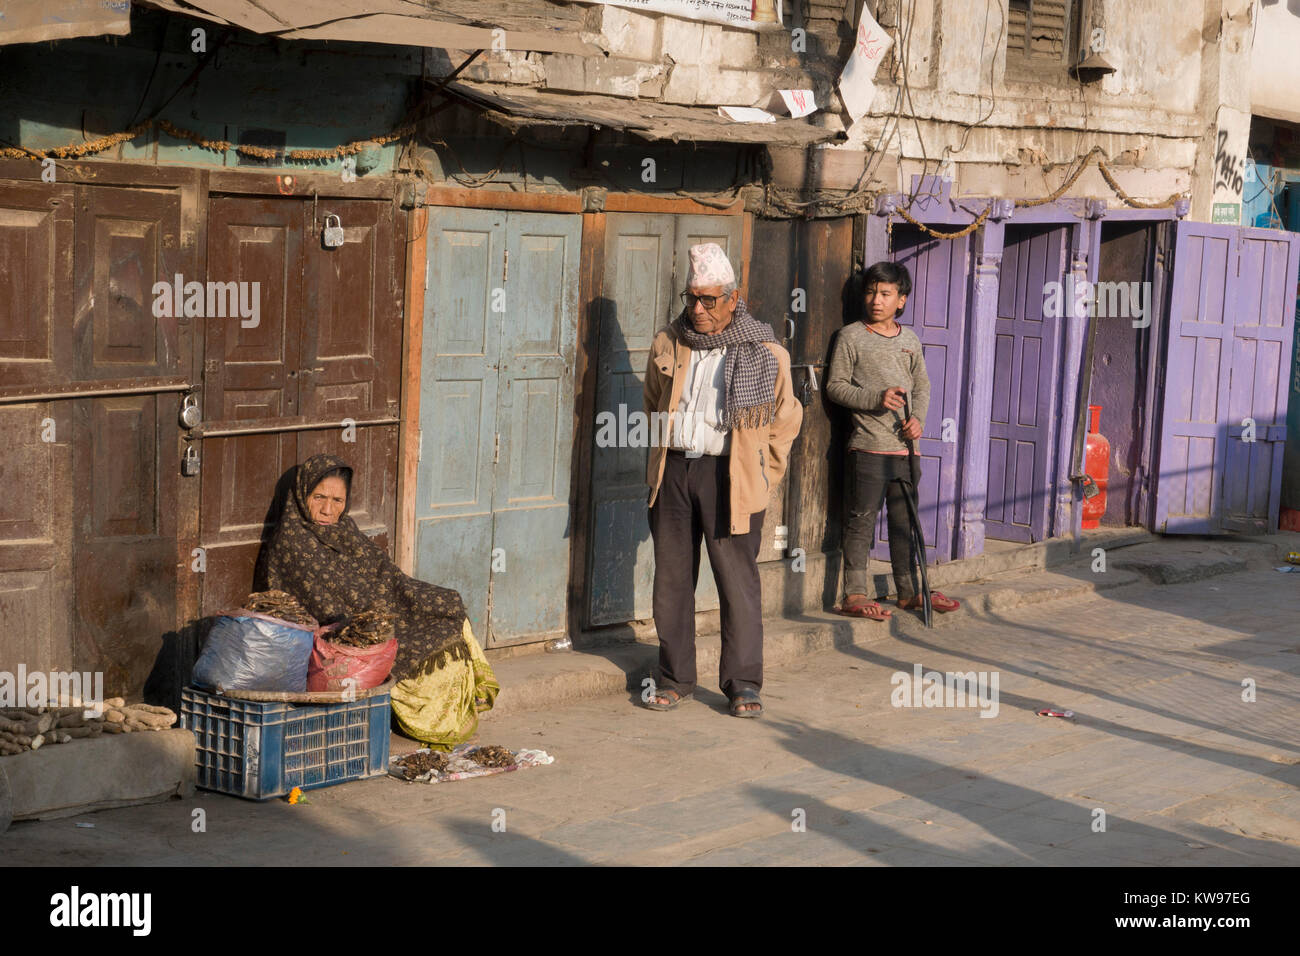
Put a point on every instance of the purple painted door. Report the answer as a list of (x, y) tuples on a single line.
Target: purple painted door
[(1224, 390), (936, 312), (1023, 415)]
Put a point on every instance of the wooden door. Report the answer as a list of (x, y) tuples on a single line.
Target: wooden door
[(325, 349), (36, 296), (646, 263), (535, 389), (249, 374), (496, 417), (458, 397), (936, 312), (1224, 389), (1025, 383)]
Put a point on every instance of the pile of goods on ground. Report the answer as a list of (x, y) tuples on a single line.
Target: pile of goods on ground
[(419, 763), (430, 766), (30, 728)]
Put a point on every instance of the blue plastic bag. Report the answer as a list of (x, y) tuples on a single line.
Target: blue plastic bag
[(247, 651)]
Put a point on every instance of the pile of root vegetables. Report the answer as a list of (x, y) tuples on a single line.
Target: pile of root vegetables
[(30, 728)]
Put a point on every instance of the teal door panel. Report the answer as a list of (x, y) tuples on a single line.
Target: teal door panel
[(458, 404), (645, 269), (496, 417), (535, 420)]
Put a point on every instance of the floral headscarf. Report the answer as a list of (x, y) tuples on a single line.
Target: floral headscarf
[(337, 571)]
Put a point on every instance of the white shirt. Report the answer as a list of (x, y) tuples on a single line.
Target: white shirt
[(697, 425)]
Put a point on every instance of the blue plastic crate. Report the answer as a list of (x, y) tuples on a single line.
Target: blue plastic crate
[(263, 749)]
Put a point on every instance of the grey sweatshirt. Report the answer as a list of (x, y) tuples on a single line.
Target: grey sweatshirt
[(863, 365)]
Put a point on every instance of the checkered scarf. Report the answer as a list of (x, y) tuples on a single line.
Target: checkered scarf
[(749, 374)]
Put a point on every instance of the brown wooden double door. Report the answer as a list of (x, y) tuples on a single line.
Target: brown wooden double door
[(97, 522), (326, 347)]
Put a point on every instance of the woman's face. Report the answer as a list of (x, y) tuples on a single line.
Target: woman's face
[(327, 500)]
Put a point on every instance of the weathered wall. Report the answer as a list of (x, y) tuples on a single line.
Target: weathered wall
[(316, 96), (1147, 115)]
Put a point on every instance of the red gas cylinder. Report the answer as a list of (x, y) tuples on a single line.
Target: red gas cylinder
[(1096, 463)]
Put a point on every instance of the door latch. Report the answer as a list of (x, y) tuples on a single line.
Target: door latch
[(809, 385)]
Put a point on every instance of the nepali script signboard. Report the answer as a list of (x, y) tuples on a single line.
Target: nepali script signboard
[(749, 14)]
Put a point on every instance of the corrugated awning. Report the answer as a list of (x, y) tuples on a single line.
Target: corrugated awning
[(449, 24), (33, 21), (519, 106)]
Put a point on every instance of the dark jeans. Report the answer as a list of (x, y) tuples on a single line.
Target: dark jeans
[(693, 504), (868, 484)]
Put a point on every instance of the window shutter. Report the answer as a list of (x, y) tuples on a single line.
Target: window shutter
[(1047, 28), (1036, 28), (1017, 27)]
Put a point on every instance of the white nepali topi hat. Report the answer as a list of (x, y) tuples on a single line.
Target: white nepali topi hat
[(709, 266)]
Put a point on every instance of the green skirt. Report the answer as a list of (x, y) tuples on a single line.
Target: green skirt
[(441, 708)]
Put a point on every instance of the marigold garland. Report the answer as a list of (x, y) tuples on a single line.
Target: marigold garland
[(75, 150)]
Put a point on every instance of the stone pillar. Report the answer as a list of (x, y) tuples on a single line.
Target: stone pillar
[(1219, 173)]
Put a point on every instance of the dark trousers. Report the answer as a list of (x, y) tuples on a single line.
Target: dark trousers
[(693, 504), (869, 483)]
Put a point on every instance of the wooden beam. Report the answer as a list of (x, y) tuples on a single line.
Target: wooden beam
[(590, 287), (289, 182), (502, 199), (746, 250), (635, 202), (408, 434)]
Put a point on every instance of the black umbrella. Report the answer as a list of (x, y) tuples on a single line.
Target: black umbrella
[(913, 516)]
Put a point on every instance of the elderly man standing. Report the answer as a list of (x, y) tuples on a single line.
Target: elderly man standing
[(724, 383)]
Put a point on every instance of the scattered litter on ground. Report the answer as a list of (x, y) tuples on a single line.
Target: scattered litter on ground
[(1288, 569), (427, 766), (88, 826), (1048, 712)]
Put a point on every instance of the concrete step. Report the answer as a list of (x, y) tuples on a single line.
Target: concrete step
[(538, 681), (618, 660), (115, 770)]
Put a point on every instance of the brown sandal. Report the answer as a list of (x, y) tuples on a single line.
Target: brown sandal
[(938, 603), (871, 610)]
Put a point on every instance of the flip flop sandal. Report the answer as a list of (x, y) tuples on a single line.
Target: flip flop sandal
[(668, 692), (746, 696), (938, 603), (871, 610)]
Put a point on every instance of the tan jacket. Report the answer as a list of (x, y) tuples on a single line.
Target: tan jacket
[(759, 456)]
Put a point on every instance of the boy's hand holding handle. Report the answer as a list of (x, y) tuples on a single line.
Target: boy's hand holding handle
[(895, 399)]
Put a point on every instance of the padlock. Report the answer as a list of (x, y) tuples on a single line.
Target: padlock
[(1090, 489), (191, 414), (190, 463), (333, 233), (805, 392)]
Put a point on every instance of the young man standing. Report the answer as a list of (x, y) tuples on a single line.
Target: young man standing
[(875, 364)]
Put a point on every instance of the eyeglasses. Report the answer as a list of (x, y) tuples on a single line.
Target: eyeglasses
[(708, 301)]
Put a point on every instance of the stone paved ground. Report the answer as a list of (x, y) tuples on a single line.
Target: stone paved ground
[(1186, 772)]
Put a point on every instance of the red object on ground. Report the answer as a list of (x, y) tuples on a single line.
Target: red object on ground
[(1288, 520), (1096, 463), (331, 664)]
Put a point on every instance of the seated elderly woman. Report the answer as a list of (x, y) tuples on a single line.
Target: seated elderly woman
[(320, 556)]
